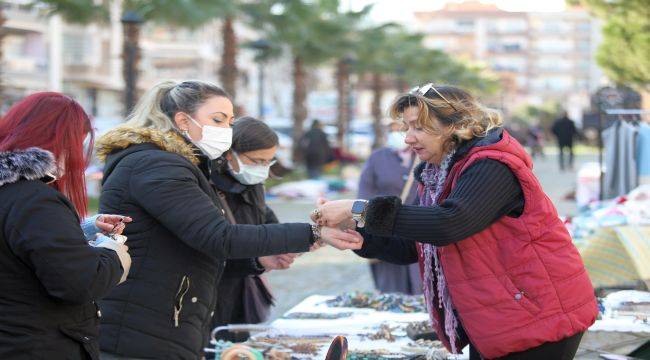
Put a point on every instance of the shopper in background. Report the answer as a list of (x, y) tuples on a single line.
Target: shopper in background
[(51, 275), (565, 132), (389, 171), (535, 140), (315, 149)]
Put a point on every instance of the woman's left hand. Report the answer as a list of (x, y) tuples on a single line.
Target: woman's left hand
[(112, 224), (342, 239)]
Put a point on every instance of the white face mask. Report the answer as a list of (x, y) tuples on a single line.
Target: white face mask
[(250, 174), (214, 141), (396, 140)]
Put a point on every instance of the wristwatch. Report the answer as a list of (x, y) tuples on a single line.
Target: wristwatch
[(359, 212)]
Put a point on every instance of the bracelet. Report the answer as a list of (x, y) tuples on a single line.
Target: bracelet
[(315, 232)]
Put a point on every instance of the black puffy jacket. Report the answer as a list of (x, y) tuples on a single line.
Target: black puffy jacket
[(248, 206), (50, 277), (178, 242)]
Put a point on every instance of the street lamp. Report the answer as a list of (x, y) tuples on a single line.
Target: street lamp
[(131, 22), (262, 46)]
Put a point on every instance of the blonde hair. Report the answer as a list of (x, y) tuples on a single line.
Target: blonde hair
[(157, 107), (462, 116)]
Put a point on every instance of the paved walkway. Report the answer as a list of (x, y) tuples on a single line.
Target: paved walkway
[(329, 271)]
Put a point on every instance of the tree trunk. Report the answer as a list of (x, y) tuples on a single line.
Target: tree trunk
[(299, 107), (130, 65), (343, 100), (377, 114), (228, 69), (402, 85)]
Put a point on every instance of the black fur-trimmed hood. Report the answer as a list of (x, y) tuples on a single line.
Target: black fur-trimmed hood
[(30, 164)]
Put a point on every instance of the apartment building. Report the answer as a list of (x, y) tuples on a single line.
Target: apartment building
[(539, 57)]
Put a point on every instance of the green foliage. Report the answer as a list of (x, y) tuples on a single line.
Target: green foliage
[(76, 11), (309, 29), (531, 114), (190, 14), (403, 54), (624, 53), (186, 13)]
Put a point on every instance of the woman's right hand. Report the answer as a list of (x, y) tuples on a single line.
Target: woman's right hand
[(112, 224), (121, 250), (332, 213), (342, 239)]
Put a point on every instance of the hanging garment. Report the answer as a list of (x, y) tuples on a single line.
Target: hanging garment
[(621, 175), (643, 153)]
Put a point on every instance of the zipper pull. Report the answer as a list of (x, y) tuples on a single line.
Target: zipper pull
[(176, 313), (99, 311)]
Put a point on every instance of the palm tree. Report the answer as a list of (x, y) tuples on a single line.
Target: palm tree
[(187, 14), (376, 59), (403, 59), (349, 23), (307, 29), (227, 12)]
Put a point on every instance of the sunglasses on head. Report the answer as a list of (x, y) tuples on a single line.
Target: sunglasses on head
[(424, 89)]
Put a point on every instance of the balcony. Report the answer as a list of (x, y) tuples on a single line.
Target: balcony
[(20, 19), (25, 72)]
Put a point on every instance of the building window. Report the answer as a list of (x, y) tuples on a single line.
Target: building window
[(465, 25), (75, 49)]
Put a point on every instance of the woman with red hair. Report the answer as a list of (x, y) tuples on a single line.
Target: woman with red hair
[(50, 275)]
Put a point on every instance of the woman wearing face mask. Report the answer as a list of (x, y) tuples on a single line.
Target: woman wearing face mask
[(157, 171), (51, 276), (500, 271), (238, 177), (388, 172)]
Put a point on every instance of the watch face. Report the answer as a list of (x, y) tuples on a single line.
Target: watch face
[(358, 207)]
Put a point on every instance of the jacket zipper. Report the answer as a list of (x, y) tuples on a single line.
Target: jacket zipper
[(178, 301), (99, 311)]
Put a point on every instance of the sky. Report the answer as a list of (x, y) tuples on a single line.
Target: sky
[(402, 10)]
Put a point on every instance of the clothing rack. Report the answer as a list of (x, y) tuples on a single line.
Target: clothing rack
[(632, 115)]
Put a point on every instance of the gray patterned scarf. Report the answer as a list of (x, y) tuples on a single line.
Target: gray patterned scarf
[(433, 178)]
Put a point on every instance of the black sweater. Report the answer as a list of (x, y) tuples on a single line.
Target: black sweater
[(486, 191)]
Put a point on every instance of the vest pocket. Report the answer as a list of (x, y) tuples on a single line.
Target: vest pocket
[(521, 297), (183, 288)]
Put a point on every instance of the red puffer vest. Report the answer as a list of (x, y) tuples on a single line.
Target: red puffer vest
[(520, 282)]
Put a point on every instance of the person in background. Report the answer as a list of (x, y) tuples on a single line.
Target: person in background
[(157, 171), (388, 171), (535, 140), (500, 271), (51, 275), (565, 132), (316, 149), (238, 177)]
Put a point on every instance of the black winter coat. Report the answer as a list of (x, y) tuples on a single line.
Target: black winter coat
[(49, 275), (248, 206), (316, 148), (565, 131), (178, 242)]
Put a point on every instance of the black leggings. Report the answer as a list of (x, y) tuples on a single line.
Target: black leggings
[(564, 349)]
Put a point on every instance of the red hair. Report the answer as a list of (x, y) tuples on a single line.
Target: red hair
[(56, 123)]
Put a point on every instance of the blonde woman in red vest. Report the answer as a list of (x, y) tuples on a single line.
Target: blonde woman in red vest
[(500, 271)]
